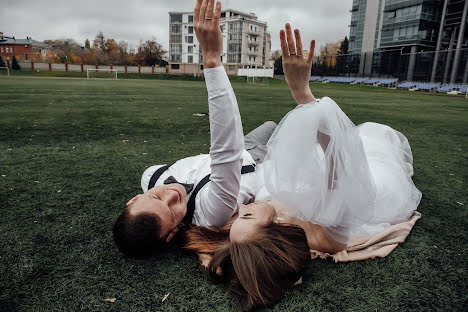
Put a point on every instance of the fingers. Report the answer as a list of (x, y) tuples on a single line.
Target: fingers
[(299, 49), (196, 12), (201, 18), (290, 39), (209, 9), (284, 44), (217, 14), (311, 52)]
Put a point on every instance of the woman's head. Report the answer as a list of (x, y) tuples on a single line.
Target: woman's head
[(264, 265), (251, 218)]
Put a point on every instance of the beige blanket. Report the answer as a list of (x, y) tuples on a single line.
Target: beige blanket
[(373, 246)]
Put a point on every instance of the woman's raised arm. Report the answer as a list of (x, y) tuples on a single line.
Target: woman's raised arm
[(297, 68)]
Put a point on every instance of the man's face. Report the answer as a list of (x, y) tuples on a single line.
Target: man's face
[(169, 202)]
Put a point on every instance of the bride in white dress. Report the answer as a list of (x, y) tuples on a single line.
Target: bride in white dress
[(323, 174)]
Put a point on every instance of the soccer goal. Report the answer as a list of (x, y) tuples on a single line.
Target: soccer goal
[(4, 71), (258, 80), (101, 73)]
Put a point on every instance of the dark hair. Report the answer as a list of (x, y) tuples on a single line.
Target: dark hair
[(137, 236), (259, 270)]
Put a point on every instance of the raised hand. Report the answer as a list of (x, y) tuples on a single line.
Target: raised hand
[(206, 25), (297, 68)]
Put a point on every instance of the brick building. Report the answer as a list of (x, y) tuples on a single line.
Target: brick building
[(22, 49)]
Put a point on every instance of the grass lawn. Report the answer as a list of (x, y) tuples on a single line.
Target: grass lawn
[(72, 152)]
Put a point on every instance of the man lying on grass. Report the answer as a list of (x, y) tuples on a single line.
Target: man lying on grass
[(204, 190)]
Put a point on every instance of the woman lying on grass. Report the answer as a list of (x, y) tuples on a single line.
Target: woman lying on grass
[(325, 180)]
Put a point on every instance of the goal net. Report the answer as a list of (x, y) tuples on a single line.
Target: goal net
[(4, 71), (101, 73), (258, 80)]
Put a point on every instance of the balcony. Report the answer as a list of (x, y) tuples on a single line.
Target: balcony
[(253, 42), (253, 53), (253, 32)]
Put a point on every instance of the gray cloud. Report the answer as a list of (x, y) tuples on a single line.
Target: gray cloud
[(325, 21)]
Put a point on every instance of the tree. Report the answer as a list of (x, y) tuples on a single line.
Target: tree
[(279, 66), (150, 53), (275, 54), (344, 46), (2, 63), (65, 50), (87, 45), (14, 64), (99, 42), (342, 56)]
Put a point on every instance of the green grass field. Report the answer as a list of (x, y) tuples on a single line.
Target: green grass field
[(72, 152)]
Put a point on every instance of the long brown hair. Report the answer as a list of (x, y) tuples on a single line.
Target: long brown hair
[(258, 270)]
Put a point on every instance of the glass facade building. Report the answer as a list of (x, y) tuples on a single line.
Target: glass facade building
[(410, 39)]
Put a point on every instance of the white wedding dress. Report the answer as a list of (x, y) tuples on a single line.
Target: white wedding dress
[(350, 179)]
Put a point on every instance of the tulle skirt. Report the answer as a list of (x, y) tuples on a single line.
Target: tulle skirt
[(391, 163), (351, 180)]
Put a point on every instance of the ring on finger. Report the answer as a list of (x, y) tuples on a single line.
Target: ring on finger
[(208, 18), (292, 53)]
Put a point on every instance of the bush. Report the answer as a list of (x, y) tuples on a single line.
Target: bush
[(14, 64), (2, 63)]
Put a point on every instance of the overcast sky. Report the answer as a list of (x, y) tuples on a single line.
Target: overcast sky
[(132, 20)]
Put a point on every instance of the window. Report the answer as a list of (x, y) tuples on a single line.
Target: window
[(190, 39), (232, 67), (190, 59), (190, 18), (176, 48), (175, 66), (176, 58), (190, 30), (175, 29), (223, 14), (190, 49), (175, 39), (176, 18), (11, 49), (1, 49), (7, 50)]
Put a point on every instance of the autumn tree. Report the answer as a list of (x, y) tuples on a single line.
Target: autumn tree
[(150, 53), (87, 45), (66, 51)]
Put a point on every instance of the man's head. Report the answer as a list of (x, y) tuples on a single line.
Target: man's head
[(150, 220)]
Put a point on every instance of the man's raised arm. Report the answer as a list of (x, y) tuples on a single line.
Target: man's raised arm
[(227, 138)]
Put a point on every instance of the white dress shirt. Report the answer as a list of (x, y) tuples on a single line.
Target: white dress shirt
[(219, 199)]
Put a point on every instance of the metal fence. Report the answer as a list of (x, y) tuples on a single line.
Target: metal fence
[(395, 64)]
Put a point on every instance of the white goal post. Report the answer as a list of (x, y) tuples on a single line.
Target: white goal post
[(112, 71), (7, 70)]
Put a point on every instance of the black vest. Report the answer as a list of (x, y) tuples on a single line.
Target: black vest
[(191, 202)]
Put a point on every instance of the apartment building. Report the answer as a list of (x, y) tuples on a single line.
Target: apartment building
[(246, 41)]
